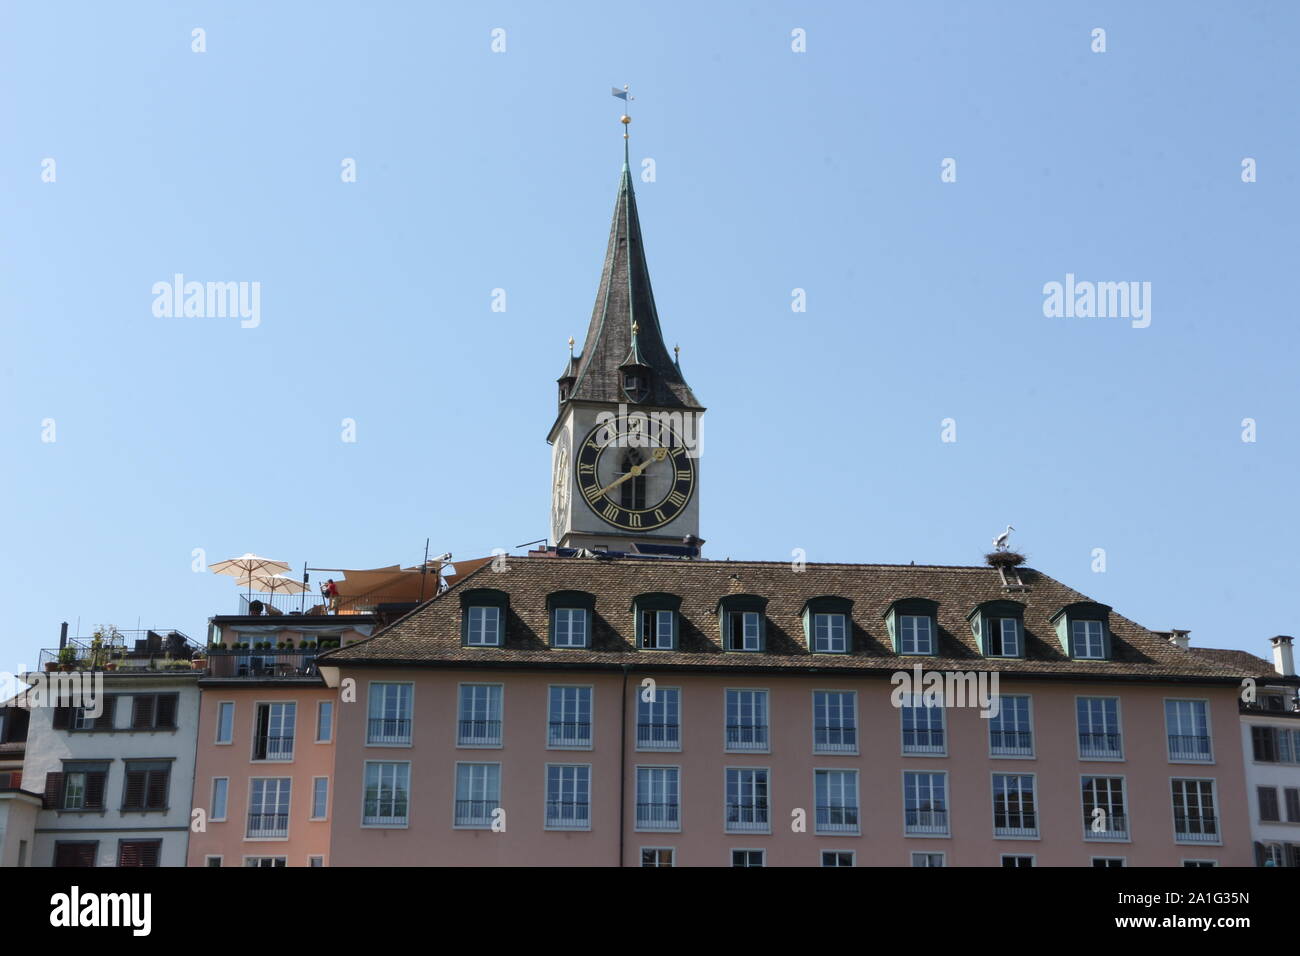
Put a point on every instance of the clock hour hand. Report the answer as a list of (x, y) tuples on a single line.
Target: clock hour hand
[(658, 454)]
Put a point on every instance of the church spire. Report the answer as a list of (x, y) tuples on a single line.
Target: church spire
[(624, 357)]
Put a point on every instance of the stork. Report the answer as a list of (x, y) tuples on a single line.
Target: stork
[(1000, 542)]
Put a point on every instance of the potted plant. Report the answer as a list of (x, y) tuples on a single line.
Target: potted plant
[(51, 666), (67, 658)]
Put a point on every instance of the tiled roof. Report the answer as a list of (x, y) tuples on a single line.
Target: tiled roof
[(431, 634), (1242, 660)]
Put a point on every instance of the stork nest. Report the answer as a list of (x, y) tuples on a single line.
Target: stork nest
[(1004, 559)]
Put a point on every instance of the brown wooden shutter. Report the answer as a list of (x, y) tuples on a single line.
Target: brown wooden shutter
[(166, 716), (95, 785), (62, 718), (1259, 854), (156, 794), (53, 791), (142, 712), (133, 792), (75, 854), (105, 720), (128, 854)]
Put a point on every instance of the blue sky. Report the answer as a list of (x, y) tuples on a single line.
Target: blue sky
[(775, 170)]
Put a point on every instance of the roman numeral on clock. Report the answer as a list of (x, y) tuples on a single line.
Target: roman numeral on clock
[(610, 512), (676, 499)]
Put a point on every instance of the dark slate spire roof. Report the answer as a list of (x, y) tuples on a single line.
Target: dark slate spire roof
[(624, 299)]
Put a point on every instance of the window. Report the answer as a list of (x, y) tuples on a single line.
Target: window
[(658, 798), (220, 795), (927, 859), (225, 721), (1086, 640), (1014, 861), (747, 810), (1194, 815), (478, 794), (922, 727), (830, 635), (569, 722), (570, 627), (153, 711), (835, 722), (925, 804), (484, 627), (658, 721), (1269, 809), (273, 731), (1015, 811), (1277, 854), (1011, 733), (1004, 640), (265, 861), (316, 861), (146, 785), (1292, 798), (1198, 864), (480, 715), (742, 620), (836, 795), (658, 630), (746, 721), (1275, 744), (656, 856), (1099, 730), (389, 723), (75, 853), (916, 634), (747, 857), (139, 852), (387, 794), (483, 613), (212, 861), (1187, 724), (81, 786), (1103, 862), (568, 797), (837, 857), (268, 810), (81, 719), (320, 797), (1104, 814), (324, 721)]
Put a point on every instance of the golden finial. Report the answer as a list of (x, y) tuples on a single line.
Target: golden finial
[(635, 327), (677, 352), (570, 344), (626, 97)]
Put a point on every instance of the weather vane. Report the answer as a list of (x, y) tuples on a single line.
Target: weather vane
[(625, 96)]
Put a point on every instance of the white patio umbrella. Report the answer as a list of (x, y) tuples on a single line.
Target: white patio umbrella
[(245, 568)]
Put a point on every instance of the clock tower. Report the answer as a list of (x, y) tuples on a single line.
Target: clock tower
[(625, 445)]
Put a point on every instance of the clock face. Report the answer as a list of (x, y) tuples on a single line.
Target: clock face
[(560, 487), (634, 477)]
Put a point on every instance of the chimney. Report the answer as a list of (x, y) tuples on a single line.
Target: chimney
[(1180, 638), (1283, 659), (63, 635)]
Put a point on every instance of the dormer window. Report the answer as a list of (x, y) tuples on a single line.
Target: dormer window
[(743, 622), (999, 628), (483, 617), (827, 624), (1084, 631), (913, 626), (636, 384), (571, 613), (655, 617)]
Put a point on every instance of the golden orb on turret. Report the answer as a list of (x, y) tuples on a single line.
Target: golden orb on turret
[(625, 119)]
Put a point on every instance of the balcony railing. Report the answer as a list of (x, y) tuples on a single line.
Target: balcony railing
[(569, 733), (923, 741), (568, 814), (746, 737), (658, 816), (474, 813), (267, 825), (1099, 745), (1189, 747), (300, 663), (1012, 743), (926, 821), (386, 814), (479, 733), (139, 650), (1202, 829), (273, 747), (837, 819), (1018, 826), (835, 740), (1111, 826), (747, 818), (389, 730), (658, 736)]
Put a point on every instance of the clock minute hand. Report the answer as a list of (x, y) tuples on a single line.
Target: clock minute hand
[(659, 454)]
